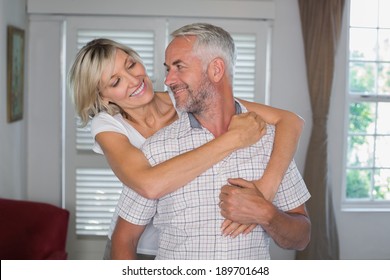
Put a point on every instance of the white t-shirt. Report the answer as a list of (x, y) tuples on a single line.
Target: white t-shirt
[(148, 243)]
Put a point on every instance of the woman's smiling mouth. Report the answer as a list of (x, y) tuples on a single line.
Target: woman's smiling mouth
[(138, 90)]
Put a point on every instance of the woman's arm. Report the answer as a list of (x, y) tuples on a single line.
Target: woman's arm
[(289, 127), (132, 168)]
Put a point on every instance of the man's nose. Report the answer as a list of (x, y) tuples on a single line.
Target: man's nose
[(169, 78)]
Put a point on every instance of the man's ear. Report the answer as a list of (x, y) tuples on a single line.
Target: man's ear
[(216, 69)]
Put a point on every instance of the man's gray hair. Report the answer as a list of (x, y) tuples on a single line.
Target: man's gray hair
[(212, 41)]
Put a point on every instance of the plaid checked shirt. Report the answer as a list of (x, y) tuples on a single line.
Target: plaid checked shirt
[(189, 219)]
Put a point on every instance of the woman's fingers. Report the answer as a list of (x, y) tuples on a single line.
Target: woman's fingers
[(233, 229)]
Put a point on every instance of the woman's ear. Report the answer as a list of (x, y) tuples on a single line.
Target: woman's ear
[(104, 100), (216, 69)]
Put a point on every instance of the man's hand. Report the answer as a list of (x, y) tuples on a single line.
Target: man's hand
[(243, 203)]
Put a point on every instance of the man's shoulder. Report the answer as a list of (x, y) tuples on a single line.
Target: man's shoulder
[(270, 133)]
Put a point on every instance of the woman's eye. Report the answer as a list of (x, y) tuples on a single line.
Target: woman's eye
[(115, 83), (131, 65)]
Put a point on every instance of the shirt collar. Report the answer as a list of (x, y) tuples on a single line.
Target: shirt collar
[(195, 124)]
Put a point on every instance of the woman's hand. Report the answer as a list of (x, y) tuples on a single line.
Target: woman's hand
[(248, 128), (232, 229)]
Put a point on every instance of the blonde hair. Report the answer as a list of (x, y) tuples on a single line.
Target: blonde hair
[(85, 77)]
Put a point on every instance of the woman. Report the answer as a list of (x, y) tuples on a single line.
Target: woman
[(111, 86)]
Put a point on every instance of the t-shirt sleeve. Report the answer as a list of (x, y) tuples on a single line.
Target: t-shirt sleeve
[(104, 122)]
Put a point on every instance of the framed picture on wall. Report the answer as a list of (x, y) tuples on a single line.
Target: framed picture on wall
[(15, 73)]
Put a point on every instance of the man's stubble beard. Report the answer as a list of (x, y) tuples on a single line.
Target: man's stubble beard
[(198, 101)]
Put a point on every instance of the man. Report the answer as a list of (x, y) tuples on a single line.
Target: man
[(199, 62)]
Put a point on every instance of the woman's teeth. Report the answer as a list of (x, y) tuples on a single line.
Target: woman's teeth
[(138, 91)]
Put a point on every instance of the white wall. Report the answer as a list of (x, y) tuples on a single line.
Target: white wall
[(13, 154), (288, 80), (45, 99), (289, 88)]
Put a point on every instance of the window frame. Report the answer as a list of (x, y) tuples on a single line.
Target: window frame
[(350, 204)]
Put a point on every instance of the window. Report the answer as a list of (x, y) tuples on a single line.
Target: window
[(367, 172)]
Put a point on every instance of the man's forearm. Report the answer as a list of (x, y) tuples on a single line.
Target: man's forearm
[(123, 251), (125, 240), (289, 230)]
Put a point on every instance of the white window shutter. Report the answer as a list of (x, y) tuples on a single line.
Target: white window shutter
[(141, 41), (97, 193), (244, 74), (98, 190)]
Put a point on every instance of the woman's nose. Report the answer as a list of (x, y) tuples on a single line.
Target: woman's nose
[(131, 79)]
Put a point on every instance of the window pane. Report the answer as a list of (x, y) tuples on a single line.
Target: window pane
[(360, 151), (364, 13), (382, 154), (362, 44), (382, 184), (362, 77), (358, 183), (384, 44), (384, 78), (362, 117), (383, 118), (384, 8)]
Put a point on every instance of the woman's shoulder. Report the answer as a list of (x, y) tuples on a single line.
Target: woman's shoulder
[(106, 117), (105, 122)]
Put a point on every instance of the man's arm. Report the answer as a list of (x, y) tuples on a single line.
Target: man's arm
[(125, 240), (245, 204), (291, 229)]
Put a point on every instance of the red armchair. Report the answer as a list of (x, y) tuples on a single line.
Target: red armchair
[(32, 230)]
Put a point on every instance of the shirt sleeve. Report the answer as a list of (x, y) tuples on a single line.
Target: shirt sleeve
[(135, 208), (103, 122), (292, 191)]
